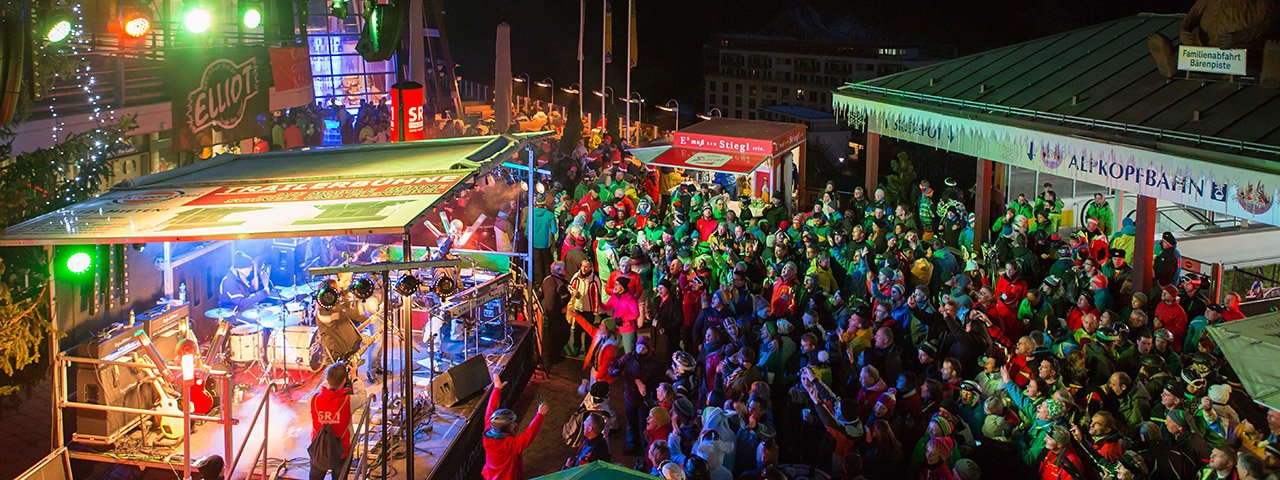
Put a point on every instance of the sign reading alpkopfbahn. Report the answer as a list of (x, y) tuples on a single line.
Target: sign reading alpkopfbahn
[(222, 88)]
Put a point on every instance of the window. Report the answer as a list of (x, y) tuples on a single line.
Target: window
[(724, 100), (338, 73), (751, 115), (751, 104), (737, 102), (711, 86), (737, 89)]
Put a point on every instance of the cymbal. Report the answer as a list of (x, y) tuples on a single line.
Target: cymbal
[(297, 290), (279, 322), (220, 313), (261, 313)]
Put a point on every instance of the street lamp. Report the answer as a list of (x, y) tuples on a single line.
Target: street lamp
[(575, 89), (607, 93), (709, 116), (524, 78), (673, 107), (638, 101), (550, 85)]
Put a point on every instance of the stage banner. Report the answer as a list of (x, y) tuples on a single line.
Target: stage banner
[(292, 85), (1194, 182), (224, 89)]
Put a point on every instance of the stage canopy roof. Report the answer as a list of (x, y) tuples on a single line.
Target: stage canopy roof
[(365, 189), (1090, 105), (1252, 345), (727, 145)]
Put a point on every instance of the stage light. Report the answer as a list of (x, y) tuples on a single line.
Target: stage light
[(327, 296), (339, 9), (56, 25), (79, 262), (444, 286), (383, 29), (197, 20), (362, 288), (408, 284), (252, 17), (135, 19)]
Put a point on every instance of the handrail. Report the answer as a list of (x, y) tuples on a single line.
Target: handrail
[(362, 429), (258, 412)]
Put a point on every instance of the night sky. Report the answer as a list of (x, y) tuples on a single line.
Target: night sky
[(671, 32)]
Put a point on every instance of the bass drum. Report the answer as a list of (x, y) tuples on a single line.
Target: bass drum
[(293, 348)]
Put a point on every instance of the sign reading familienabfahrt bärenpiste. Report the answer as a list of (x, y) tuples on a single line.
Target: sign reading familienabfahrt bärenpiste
[(1211, 60), (221, 88)]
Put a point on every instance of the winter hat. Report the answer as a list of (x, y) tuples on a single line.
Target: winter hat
[(943, 445), (1098, 282), (971, 387), (242, 260), (600, 390), (1219, 394), (660, 416), (930, 348), (966, 469), (944, 426), (1056, 409), (785, 327), (1171, 289), (889, 399), (1141, 297), (1168, 238), (685, 408), (673, 471), (1059, 435)]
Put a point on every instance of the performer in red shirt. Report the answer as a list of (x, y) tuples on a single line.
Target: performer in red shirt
[(503, 448)]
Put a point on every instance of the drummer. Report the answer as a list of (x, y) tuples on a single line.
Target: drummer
[(244, 285)]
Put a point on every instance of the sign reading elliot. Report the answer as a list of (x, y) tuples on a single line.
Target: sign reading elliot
[(224, 88), (1211, 60)]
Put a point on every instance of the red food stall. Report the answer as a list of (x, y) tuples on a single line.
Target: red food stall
[(770, 155)]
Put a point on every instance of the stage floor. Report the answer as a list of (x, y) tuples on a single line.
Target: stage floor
[(446, 448)]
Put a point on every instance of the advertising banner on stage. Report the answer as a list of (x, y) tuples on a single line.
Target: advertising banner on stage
[(292, 85), (407, 112), (354, 206), (226, 89), (1183, 180)]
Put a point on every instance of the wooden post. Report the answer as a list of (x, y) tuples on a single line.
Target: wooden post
[(1143, 244), (982, 202), (873, 162)]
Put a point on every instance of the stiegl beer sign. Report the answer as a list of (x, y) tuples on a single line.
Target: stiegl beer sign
[(225, 89)]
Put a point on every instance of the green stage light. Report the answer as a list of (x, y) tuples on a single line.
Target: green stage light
[(197, 20), (252, 18), (79, 262), (58, 30)]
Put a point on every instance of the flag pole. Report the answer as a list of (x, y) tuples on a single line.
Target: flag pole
[(582, 28), (631, 12), (604, 62)]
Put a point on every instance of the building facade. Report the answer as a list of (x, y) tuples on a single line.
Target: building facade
[(744, 74)]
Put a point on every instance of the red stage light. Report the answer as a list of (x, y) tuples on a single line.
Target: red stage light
[(136, 24)]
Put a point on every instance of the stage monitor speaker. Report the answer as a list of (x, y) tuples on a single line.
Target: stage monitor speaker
[(461, 382), (109, 385)]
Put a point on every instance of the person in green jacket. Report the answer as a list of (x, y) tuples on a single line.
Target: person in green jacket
[(1049, 202), (1022, 207), (1100, 210), (1124, 239)]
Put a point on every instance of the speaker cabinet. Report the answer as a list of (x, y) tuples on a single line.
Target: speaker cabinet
[(461, 382)]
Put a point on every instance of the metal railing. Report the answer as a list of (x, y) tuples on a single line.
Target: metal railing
[(361, 438), (263, 410), (1090, 123)]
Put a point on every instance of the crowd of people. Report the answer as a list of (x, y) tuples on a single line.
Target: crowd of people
[(870, 337)]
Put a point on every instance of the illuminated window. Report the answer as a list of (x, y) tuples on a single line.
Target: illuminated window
[(338, 72)]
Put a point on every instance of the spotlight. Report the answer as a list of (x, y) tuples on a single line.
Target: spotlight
[(136, 23), (408, 284), (197, 19), (79, 262), (362, 288), (56, 25), (252, 18), (327, 296), (444, 286)]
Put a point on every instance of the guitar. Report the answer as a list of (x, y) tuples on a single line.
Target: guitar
[(170, 427)]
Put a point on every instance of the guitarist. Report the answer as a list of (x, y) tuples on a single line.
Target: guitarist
[(331, 407)]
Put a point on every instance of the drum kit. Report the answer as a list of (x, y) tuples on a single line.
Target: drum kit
[(279, 336)]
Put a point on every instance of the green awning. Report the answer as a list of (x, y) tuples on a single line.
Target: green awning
[(1252, 346), (365, 189), (597, 470)]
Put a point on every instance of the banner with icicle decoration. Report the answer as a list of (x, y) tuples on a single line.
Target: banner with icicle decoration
[(1189, 181)]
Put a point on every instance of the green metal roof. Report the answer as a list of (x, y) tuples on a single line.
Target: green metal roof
[(1100, 80)]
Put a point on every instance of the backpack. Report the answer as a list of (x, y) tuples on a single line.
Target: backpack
[(572, 430), (326, 448)]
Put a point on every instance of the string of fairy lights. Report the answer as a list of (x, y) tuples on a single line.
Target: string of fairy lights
[(85, 79)]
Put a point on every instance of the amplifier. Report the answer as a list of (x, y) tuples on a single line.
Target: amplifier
[(114, 342), (110, 385), (166, 326)]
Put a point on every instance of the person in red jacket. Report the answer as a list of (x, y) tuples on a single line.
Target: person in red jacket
[(503, 448), (332, 407), (1060, 460), (1171, 315), (1011, 288)]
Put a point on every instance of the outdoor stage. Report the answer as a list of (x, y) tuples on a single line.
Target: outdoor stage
[(447, 442)]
